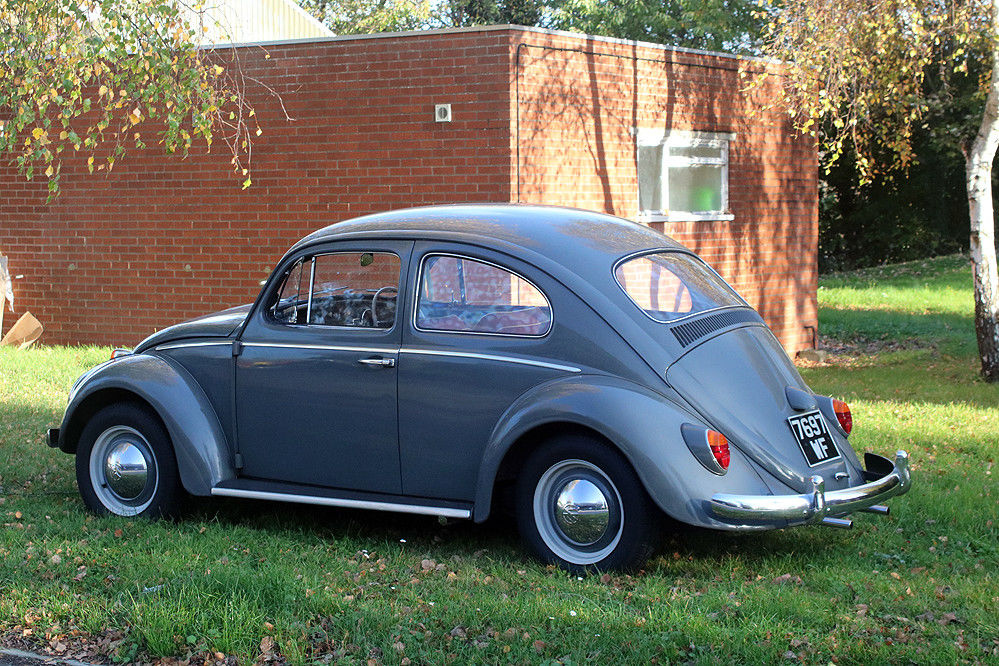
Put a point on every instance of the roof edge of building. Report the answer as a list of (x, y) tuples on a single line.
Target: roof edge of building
[(491, 28)]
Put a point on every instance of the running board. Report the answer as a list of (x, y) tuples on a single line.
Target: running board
[(445, 512)]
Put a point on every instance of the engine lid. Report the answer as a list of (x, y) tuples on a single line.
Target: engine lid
[(744, 385)]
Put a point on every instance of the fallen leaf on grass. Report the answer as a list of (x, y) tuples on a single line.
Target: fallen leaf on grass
[(788, 578)]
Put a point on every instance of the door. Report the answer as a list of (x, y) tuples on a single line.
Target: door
[(316, 382), (480, 337)]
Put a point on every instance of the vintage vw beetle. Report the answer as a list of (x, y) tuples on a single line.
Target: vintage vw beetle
[(435, 360)]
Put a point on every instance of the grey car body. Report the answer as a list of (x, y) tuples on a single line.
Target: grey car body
[(406, 418)]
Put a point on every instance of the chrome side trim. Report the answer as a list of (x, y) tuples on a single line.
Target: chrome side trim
[(182, 345), (490, 357), (814, 506), (362, 350), (344, 503)]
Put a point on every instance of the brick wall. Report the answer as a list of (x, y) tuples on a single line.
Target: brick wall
[(544, 117), (580, 102), (160, 240)]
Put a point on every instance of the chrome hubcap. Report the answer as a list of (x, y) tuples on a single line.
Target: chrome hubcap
[(123, 471), (126, 470), (581, 512), (578, 512)]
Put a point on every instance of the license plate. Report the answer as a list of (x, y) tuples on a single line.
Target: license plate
[(812, 434)]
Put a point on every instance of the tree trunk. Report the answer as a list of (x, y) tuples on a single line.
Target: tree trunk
[(983, 243)]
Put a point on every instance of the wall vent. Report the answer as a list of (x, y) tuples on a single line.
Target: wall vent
[(442, 113)]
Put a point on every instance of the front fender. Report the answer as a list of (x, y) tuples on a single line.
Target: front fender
[(203, 455), (642, 424)]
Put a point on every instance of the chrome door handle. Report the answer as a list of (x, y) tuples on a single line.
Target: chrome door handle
[(378, 362)]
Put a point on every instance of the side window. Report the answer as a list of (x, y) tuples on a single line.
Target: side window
[(463, 295), (354, 289), (292, 301)]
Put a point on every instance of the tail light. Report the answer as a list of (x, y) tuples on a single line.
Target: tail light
[(843, 415), (708, 446), (718, 444)]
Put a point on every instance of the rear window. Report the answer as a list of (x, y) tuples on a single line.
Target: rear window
[(671, 285)]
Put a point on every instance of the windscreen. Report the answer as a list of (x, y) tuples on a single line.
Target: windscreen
[(671, 285)]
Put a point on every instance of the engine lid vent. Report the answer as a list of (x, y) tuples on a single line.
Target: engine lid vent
[(691, 331)]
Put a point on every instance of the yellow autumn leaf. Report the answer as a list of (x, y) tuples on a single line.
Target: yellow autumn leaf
[(49, 171), (63, 135), (38, 133)]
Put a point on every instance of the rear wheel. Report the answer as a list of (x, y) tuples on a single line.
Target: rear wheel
[(125, 464), (580, 505)]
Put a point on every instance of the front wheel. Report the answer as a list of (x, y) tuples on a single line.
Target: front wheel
[(125, 464), (580, 505)]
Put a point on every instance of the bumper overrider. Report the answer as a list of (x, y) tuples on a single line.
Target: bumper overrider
[(884, 480)]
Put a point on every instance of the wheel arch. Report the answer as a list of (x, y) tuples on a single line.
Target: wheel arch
[(93, 402), (522, 447), (204, 457), (594, 407), (639, 423)]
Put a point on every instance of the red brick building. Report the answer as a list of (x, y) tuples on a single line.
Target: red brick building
[(661, 135)]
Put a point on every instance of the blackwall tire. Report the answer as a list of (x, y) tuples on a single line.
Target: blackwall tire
[(580, 505), (125, 464)]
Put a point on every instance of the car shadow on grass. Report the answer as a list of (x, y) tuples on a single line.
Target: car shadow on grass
[(681, 546)]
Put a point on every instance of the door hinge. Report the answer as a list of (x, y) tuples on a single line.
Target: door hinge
[(237, 348), (237, 460)]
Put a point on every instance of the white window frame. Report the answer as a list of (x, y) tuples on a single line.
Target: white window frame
[(684, 139)]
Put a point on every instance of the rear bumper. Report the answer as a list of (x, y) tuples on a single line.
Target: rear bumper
[(884, 480)]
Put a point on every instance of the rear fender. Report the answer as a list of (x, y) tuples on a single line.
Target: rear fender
[(642, 424), (204, 457)]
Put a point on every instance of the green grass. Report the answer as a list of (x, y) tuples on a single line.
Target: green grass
[(325, 585)]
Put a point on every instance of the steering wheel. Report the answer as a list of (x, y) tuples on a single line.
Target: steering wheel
[(374, 303)]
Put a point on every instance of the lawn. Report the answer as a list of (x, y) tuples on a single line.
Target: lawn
[(243, 581)]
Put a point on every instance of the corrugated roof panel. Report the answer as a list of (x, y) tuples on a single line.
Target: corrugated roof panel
[(243, 21)]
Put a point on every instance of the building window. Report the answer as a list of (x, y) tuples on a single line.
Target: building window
[(683, 175)]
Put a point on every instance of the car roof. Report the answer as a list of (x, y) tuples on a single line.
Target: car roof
[(569, 236)]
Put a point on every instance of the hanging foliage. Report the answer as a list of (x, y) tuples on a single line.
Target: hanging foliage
[(97, 77)]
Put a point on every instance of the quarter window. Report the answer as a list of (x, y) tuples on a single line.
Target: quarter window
[(463, 295), (683, 175), (291, 304), (343, 289)]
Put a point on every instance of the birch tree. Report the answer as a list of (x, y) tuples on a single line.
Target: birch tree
[(855, 73)]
